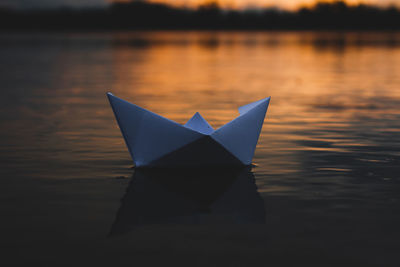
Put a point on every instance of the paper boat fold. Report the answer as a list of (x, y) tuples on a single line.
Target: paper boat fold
[(155, 141)]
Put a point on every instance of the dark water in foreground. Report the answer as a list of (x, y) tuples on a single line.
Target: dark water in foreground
[(325, 190)]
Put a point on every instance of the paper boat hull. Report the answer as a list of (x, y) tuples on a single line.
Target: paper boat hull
[(205, 151), (155, 141)]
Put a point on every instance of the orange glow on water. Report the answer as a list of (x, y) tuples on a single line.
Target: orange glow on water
[(331, 93)]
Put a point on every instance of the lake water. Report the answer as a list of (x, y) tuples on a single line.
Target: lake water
[(324, 191)]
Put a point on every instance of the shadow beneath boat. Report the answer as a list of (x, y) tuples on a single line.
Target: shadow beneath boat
[(190, 196)]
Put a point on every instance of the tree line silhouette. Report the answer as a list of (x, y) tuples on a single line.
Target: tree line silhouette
[(143, 15)]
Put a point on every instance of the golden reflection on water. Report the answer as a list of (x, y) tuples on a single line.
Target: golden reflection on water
[(316, 80), (331, 92)]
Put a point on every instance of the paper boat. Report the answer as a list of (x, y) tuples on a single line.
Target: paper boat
[(155, 141)]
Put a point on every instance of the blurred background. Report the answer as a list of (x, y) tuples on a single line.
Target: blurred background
[(199, 14), (326, 165)]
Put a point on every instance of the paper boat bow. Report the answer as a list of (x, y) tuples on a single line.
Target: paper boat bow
[(155, 141)]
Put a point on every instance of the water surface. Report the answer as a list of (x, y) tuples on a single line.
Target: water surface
[(327, 162)]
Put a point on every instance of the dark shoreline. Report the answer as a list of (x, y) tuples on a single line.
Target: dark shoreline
[(188, 30), (337, 16)]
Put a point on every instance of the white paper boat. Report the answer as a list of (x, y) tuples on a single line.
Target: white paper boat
[(155, 141)]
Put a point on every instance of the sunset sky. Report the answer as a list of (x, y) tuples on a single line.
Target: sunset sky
[(287, 4)]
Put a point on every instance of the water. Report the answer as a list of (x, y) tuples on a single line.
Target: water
[(327, 162)]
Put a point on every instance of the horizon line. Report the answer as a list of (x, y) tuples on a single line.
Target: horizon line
[(224, 7)]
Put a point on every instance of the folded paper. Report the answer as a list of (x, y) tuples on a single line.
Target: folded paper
[(155, 141)]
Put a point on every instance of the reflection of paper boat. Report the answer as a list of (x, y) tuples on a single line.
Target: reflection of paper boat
[(182, 196), (155, 141)]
